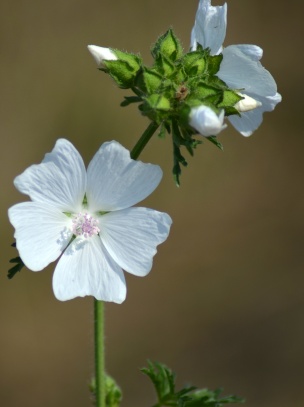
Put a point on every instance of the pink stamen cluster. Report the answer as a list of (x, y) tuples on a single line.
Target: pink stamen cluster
[(85, 225)]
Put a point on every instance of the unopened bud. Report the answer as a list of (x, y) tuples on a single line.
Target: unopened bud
[(206, 121), (246, 104), (101, 54)]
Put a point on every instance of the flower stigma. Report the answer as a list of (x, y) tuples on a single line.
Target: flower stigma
[(85, 225)]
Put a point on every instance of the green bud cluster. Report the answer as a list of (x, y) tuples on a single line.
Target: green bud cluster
[(171, 87)]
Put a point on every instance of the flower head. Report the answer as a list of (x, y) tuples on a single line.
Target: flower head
[(86, 219), (240, 68)]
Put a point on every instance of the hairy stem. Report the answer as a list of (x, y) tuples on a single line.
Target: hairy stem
[(100, 376), (143, 141)]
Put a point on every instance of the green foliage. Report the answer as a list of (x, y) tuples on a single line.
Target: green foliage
[(163, 380), (17, 267)]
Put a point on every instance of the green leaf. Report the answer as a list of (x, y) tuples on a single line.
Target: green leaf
[(163, 380), (130, 99), (215, 141), (17, 267)]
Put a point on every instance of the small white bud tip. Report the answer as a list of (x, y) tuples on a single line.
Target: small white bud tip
[(101, 53), (246, 104)]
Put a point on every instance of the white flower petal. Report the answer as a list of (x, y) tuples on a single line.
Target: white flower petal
[(131, 236), (60, 179), (86, 268), (115, 181), (252, 51), (248, 122), (101, 53), (206, 121), (210, 26), (42, 233), (242, 72)]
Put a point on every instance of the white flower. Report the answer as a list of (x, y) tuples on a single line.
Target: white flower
[(240, 68), (100, 54), (206, 121), (86, 219)]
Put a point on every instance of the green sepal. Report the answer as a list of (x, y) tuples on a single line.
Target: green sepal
[(230, 98), (216, 81), (135, 61), (152, 80), (123, 70), (167, 45), (213, 63), (158, 102), (230, 110), (200, 90), (194, 63), (164, 66)]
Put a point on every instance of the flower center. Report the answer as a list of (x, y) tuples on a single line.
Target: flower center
[(85, 225)]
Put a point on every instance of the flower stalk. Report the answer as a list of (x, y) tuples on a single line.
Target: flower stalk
[(100, 376), (143, 141)]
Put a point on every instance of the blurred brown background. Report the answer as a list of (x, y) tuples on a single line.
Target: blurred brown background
[(223, 305)]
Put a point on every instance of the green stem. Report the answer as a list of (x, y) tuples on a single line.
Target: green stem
[(143, 141), (100, 376)]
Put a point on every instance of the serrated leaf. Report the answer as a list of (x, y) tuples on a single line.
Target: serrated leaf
[(164, 382), (16, 268), (215, 141), (129, 100)]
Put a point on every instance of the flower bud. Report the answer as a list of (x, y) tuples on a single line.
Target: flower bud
[(206, 121), (247, 103), (101, 53)]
